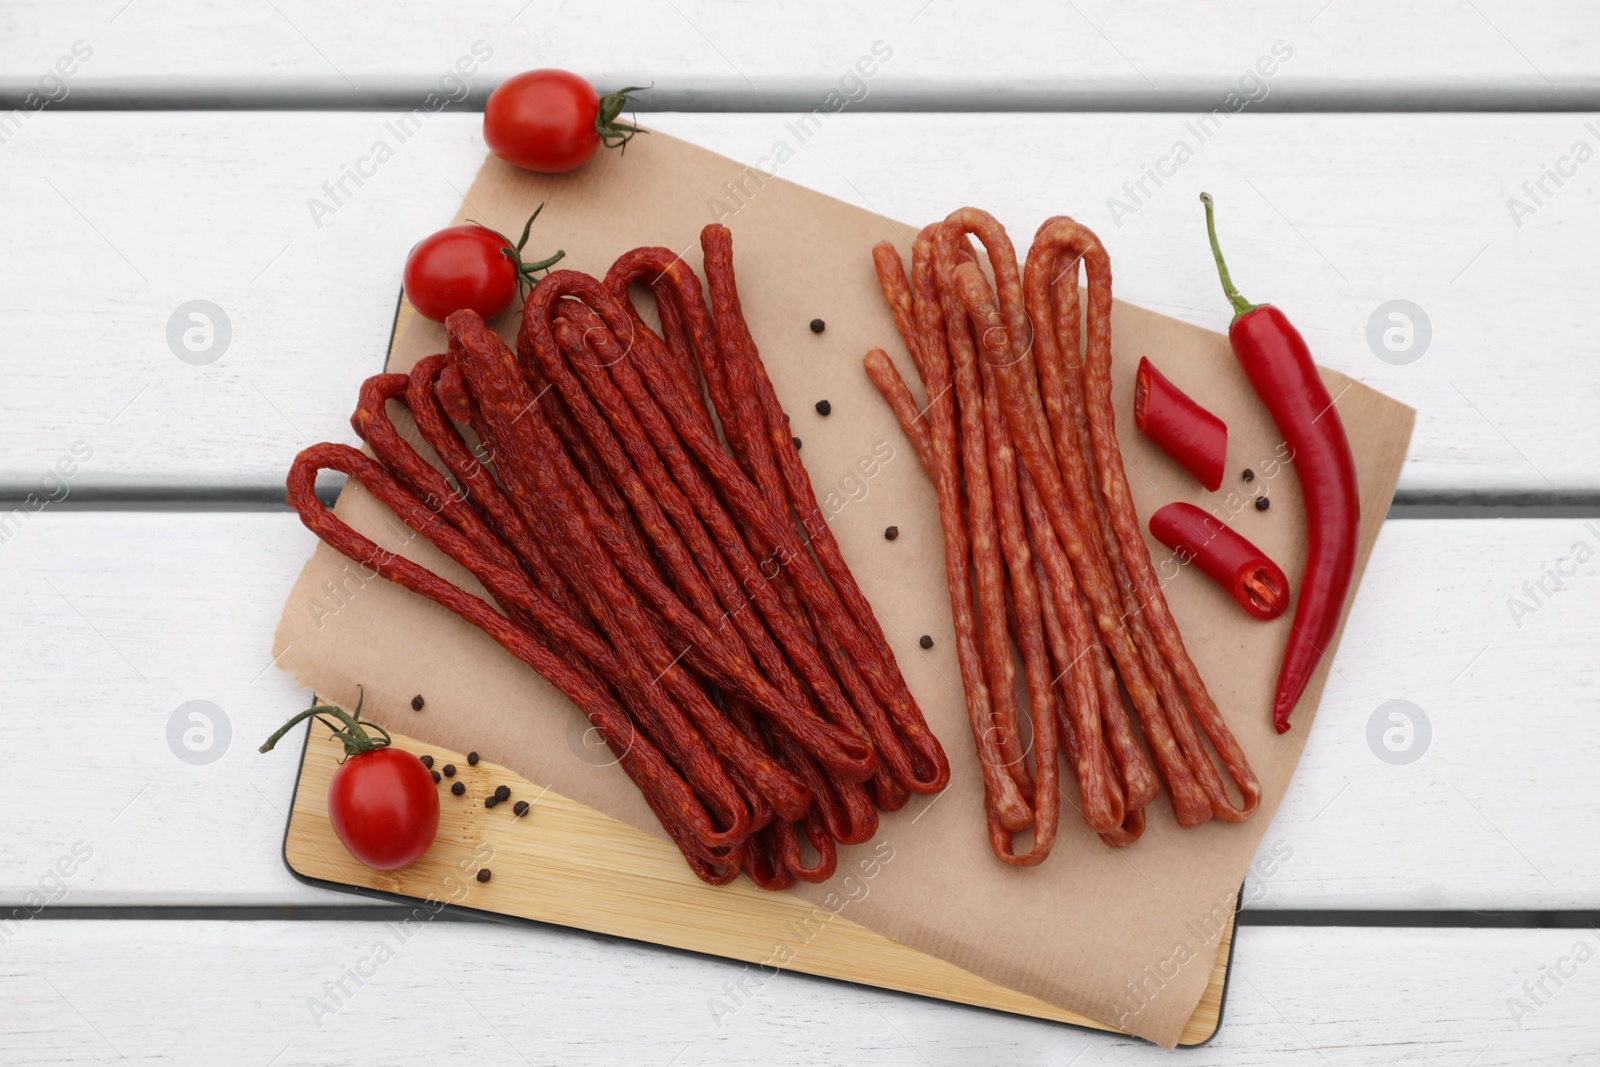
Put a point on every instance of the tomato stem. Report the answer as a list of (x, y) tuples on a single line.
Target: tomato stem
[(513, 252), (354, 736), (614, 134)]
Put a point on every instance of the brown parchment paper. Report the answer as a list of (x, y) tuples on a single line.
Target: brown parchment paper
[(1125, 937)]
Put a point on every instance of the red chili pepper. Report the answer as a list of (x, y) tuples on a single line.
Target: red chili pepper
[(1220, 551), (1181, 428), (1278, 363)]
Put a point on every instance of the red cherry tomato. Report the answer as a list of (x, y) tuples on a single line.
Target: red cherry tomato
[(470, 267), (384, 806), (461, 267), (383, 803), (552, 121)]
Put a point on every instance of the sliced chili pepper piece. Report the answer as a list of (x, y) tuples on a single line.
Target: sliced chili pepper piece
[(1224, 556), (1196, 439)]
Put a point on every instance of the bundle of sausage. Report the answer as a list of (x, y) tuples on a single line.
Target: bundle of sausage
[(1042, 543), (688, 597)]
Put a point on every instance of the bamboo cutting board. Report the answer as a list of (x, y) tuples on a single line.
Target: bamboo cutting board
[(568, 864)]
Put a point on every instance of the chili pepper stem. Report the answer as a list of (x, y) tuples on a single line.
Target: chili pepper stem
[(1241, 306)]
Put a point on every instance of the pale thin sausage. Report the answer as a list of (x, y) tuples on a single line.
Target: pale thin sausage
[(1072, 236), (1006, 346)]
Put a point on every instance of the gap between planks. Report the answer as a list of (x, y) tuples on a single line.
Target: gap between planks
[(1374, 97), (224, 498)]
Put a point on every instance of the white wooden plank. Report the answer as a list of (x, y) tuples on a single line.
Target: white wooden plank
[(706, 52), (112, 620), (1329, 216), (121, 618), (248, 993), (170, 209), (1502, 695)]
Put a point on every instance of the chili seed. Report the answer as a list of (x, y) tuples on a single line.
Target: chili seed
[(427, 761), (824, 408), (520, 807), (472, 759), (926, 641), (490, 801), (891, 533), (416, 702), (435, 777), (502, 793), (797, 444), (483, 875), (449, 770), (458, 788), (1262, 503), (817, 326), (1249, 475)]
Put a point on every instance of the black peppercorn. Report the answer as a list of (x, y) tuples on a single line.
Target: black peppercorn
[(520, 807), (817, 326), (926, 641), (891, 533), (502, 793), (483, 875), (490, 801), (449, 770), (1262, 503), (436, 778), (472, 759), (824, 408), (427, 761), (458, 788), (796, 444), (1249, 475), (416, 702)]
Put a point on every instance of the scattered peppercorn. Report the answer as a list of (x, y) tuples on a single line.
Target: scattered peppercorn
[(449, 770), (502, 793), (490, 801), (435, 777), (824, 408), (891, 533), (926, 641), (520, 807), (1262, 503), (459, 788), (427, 761), (472, 759), (797, 444), (483, 875), (416, 702), (1249, 475), (817, 326)]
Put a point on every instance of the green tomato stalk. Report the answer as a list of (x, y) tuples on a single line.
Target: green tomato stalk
[(353, 734)]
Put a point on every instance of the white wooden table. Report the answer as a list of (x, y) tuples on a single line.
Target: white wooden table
[(1424, 904)]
